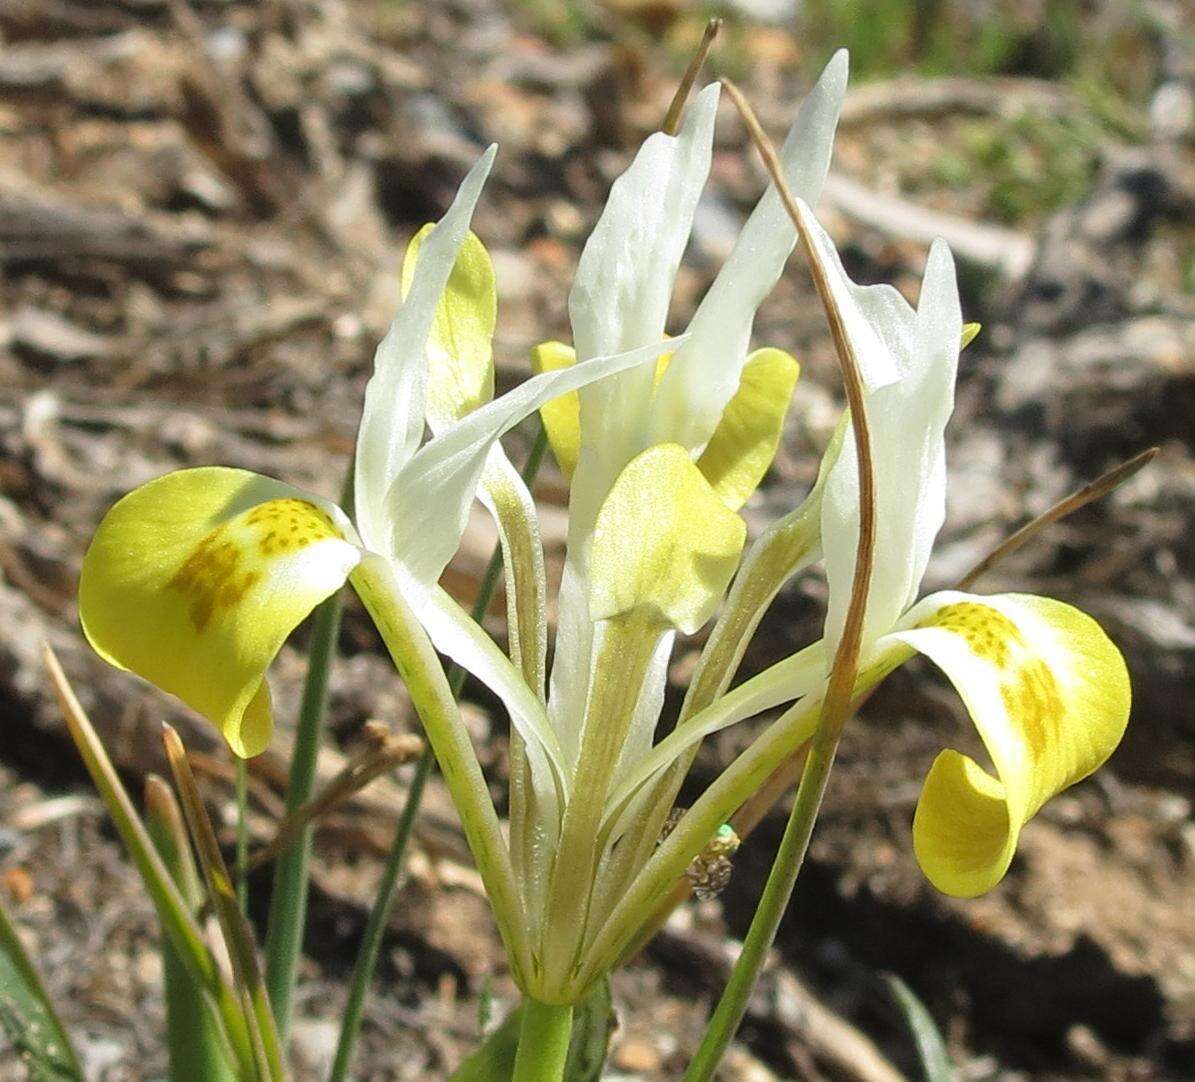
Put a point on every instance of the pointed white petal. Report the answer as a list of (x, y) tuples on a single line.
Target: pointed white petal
[(705, 373), (392, 419), (622, 292), (454, 633), (430, 497), (907, 417), (620, 299)]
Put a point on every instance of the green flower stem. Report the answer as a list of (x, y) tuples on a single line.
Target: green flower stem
[(772, 904), (241, 866), (288, 898), (624, 655), (288, 895), (543, 1042), (421, 671), (379, 915)]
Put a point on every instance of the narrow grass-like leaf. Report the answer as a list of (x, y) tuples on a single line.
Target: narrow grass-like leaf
[(494, 1059), (238, 936), (177, 920), (288, 898), (27, 1015), (931, 1049), (198, 1052), (593, 1023)]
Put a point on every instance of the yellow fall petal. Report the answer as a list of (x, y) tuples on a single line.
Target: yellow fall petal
[(194, 580), (460, 375), (1049, 693), (562, 416), (664, 541), (745, 441)]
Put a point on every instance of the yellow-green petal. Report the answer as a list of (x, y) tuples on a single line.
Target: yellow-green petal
[(745, 441), (194, 580), (460, 359), (1049, 694), (664, 541), (562, 416), (970, 333)]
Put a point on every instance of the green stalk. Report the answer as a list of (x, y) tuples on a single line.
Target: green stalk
[(197, 1050), (543, 1042), (27, 1014), (379, 918), (837, 704), (379, 914), (241, 867), (288, 896), (772, 904)]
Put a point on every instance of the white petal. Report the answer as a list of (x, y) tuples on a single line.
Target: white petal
[(907, 418), (430, 497), (455, 633), (392, 419), (704, 374), (622, 292)]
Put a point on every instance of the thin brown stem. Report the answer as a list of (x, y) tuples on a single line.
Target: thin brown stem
[(837, 703), (671, 123), (1093, 490), (391, 751)]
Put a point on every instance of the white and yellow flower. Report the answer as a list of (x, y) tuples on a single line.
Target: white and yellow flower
[(195, 579)]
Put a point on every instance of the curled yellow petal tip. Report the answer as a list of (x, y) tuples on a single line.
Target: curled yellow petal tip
[(1050, 696), (194, 580)]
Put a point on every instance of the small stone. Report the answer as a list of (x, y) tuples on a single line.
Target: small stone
[(1172, 110), (19, 883), (637, 1054), (313, 1041), (49, 335)]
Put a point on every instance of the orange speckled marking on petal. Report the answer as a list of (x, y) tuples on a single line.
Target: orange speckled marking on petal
[(988, 633), (1027, 686), (289, 525), (225, 565)]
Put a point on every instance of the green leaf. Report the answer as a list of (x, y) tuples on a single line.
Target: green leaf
[(27, 1015), (593, 1024), (494, 1059), (238, 936), (931, 1049), (177, 920), (198, 1052)]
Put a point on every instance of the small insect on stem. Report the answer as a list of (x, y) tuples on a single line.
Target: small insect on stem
[(709, 872)]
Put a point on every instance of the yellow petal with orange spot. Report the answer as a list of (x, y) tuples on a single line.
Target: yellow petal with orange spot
[(194, 580), (1049, 694)]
